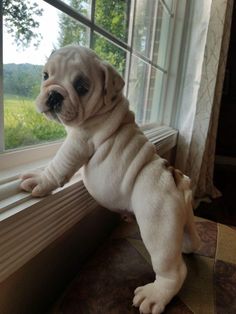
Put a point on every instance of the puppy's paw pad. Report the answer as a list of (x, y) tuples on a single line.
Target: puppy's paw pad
[(28, 184), (148, 299), (36, 184)]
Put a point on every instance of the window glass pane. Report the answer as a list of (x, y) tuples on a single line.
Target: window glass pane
[(113, 16), (161, 36), (169, 4), (151, 113), (145, 86), (26, 50), (138, 87), (22, 69), (110, 52), (143, 26), (81, 6)]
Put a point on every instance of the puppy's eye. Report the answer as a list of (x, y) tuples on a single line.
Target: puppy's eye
[(81, 85), (45, 76)]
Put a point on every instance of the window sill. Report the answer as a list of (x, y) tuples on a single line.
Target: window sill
[(28, 225)]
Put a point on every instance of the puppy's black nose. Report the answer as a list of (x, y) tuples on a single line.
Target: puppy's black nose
[(54, 101)]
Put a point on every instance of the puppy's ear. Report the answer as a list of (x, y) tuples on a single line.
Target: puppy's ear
[(113, 82)]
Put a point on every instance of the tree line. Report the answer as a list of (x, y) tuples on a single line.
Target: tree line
[(22, 79)]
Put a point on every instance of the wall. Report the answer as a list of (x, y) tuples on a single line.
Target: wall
[(39, 283)]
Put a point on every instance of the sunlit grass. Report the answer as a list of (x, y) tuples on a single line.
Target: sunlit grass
[(23, 126)]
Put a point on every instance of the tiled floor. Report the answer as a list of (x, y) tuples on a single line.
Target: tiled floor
[(107, 281)]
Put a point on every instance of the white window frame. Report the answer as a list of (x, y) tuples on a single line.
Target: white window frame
[(22, 214), (1, 85)]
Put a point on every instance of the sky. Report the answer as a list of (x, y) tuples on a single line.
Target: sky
[(49, 31)]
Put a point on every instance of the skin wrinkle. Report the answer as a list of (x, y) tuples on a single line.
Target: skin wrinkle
[(136, 165)]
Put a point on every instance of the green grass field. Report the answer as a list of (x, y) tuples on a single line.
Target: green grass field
[(23, 126)]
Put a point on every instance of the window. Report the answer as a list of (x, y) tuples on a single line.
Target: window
[(133, 35)]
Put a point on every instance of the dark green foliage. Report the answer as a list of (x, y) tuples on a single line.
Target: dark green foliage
[(113, 16), (71, 31), (109, 52), (19, 19)]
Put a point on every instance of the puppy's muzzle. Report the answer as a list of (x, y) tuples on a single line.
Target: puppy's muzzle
[(54, 101)]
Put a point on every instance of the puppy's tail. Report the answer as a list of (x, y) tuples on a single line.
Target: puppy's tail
[(183, 183)]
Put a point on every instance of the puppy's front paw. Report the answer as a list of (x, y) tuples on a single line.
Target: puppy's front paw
[(151, 299), (36, 183)]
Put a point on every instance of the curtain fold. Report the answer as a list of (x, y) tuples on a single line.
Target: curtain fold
[(208, 41)]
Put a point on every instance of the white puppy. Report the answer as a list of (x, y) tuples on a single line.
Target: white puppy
[(121, 169)]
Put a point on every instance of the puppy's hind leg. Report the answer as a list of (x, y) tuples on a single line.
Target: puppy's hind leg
[(162, 234), (191, 239)]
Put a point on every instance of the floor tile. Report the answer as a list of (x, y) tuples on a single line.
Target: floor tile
[(225, 288), (226, 244), (198, 291), (208, 234), (107, 283)]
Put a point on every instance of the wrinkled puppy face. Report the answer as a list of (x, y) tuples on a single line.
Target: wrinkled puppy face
[(76, 85)]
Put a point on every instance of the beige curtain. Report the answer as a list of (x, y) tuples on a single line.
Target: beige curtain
[(202, 89)]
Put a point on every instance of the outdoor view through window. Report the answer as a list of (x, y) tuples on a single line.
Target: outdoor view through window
[(39, 28)]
